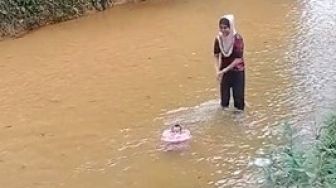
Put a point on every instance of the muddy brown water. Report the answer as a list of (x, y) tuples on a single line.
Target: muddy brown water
[(83, 103)]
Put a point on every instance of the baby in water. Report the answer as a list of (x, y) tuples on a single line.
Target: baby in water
[(176, 137)]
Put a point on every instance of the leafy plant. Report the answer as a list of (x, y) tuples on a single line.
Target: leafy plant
[(294, 166)]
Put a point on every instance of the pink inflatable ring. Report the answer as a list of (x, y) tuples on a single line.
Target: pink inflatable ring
[(175, 135)]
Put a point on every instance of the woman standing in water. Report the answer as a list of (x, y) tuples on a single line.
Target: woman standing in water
[(229, 65)]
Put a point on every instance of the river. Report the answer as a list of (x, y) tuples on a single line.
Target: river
[(83, 103)]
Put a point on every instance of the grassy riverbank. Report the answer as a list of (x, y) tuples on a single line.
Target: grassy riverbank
[(20, 16), (313, 166)]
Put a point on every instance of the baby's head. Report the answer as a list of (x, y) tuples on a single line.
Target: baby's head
[(177, 128)]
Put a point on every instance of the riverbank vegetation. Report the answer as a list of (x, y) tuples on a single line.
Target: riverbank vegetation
[(19, 16), (312, 166)]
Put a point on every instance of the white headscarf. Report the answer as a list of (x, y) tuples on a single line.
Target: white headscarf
[(226, 42)]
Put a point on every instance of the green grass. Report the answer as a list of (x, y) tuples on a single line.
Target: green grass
[(296, 166)]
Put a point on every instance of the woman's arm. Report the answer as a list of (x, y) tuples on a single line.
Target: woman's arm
[(218, 58), (234, 63), (217, 62)]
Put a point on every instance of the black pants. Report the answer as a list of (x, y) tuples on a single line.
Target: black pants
[(236, 81)]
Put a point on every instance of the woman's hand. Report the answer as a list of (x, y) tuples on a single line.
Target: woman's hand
[(221, 73)]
